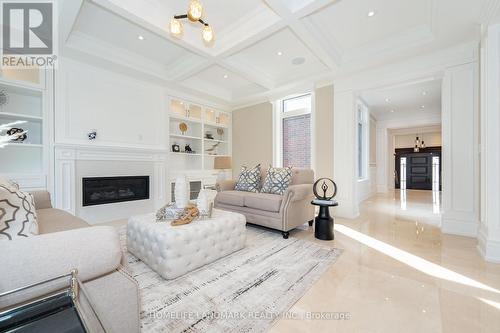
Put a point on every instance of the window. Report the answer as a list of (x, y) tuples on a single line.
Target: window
[(295, 136), (362, 133)]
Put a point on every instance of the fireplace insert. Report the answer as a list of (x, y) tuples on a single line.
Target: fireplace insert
[(105, 190)]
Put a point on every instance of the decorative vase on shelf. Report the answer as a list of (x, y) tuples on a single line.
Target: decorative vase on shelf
[(181, 192)]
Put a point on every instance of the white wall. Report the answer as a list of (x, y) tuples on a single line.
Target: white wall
[(124, 111)]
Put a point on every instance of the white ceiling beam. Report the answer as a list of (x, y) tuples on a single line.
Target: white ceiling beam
[(192, 70), (294, 23), (68, 13), (248, 73)]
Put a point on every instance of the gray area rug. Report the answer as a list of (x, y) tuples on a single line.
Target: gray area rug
[(243, 292)]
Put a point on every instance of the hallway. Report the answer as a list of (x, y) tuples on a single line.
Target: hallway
[(398, 269)]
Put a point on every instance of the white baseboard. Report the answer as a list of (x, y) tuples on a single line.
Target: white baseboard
[(453, 225), (489, 249)]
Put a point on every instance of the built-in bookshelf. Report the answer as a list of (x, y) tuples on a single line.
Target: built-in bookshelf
[(208, 134), (25, 100)]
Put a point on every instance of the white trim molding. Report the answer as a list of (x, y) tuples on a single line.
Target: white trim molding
[(460, 151)]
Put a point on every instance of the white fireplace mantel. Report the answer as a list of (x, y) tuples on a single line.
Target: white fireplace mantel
[(68, 156)]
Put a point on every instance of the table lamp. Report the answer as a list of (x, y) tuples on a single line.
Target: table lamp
[(222, 163)]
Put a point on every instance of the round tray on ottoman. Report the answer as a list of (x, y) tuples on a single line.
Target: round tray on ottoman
[(174, 251)]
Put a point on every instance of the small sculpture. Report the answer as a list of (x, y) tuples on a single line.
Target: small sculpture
[(213, 150), (18, 134), (188, 149), (92, 135), (220, 131), (209, 136), (183, 127), (324, 187)]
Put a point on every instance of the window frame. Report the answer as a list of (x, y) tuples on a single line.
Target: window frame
[(362, 120), (279, 115)]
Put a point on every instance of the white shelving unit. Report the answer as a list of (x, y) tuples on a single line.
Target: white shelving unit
[(201, 121), (26, 162)]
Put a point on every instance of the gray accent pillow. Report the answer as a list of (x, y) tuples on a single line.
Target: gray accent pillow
[(17, 213), (277, 180), (249, 179)]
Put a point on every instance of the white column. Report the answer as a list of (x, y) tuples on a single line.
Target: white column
[(382, 166), (65, 186), (460, 151), (344, 158), (489, 230)]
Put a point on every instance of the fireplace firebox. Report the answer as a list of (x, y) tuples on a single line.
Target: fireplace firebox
[(105, 190)]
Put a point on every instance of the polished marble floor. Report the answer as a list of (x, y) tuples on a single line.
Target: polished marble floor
[(398, 273)]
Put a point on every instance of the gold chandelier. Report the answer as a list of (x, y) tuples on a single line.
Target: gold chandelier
[(194, 14)]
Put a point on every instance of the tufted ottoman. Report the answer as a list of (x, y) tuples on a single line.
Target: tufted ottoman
[(174, 251)]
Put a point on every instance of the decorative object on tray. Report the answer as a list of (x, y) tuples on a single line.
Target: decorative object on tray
[(222, 163), (4, 97), (183, 127), (17, 134), (190, 213), (220, 131), (277, 180), (181, 192), (209, 136), (4, 137), (324, 190), (168, 212), (213, 149), (249, 179), (205, 202), (187, 149), (176, 148), (92, 135)]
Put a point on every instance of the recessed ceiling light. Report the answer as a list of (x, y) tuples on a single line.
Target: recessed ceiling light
[(226, 76), (279, 53), (392, 111), (424, 93), (371, 13), (140, 37), (387, 100), (422, 107)]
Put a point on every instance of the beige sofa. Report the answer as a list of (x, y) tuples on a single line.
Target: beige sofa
[(281, 212), (66, 242)]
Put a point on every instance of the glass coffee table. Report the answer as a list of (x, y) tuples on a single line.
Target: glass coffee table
[(67, 310)]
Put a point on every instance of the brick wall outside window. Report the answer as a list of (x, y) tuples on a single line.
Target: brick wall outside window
[(297, 141)]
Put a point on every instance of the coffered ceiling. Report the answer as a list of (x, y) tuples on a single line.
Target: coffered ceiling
[(262, 46)]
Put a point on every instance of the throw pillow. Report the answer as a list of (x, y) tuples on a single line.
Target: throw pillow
[(17, 213), (249, 179), (277, 180)]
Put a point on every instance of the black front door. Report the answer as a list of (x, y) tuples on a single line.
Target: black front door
[(418, 167), (419, 171)]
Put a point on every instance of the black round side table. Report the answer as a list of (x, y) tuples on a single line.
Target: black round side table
[(323, 226)]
